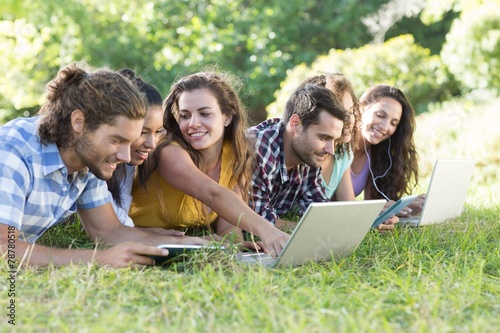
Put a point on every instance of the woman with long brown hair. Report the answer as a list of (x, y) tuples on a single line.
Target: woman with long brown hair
[(386, 164), (200, 172)]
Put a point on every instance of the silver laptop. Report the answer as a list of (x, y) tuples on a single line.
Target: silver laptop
[(326, 230), (446, 194)]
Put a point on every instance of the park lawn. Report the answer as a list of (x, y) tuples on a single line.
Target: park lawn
[(443, 278)]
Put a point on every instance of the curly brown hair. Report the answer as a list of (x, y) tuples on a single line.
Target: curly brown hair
[(102, 96), (402, 177)]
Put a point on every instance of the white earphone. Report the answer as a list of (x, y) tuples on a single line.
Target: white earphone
[(374, 179)]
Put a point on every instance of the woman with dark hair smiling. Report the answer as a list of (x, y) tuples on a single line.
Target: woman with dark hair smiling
[(386, 164)]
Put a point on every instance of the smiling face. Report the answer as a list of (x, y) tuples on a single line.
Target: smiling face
[(103, 149), (348, 104), (151, 132), (380, 120), (201, 120), (314, 144)]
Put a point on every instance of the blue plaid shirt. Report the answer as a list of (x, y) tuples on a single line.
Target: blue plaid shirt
[(274, 188), (35, 193)]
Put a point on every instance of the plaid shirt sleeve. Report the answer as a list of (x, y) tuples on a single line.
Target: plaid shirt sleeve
[(95, 194), (263, 175), (261, 190), (14, 186)]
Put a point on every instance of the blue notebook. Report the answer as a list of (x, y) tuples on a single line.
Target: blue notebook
[(394, 209)]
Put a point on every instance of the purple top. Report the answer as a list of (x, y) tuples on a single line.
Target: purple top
[(359, 180)]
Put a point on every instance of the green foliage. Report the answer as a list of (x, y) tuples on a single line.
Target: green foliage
[(23, 55), (258, 40), (434, 11), (472, 50), (398, 62), (429, 35), (461, 129), (35, 42)]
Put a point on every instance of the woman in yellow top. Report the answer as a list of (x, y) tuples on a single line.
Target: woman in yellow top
[(199, 174)]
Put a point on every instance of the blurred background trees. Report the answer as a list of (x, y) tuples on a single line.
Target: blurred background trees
[(431, 50)]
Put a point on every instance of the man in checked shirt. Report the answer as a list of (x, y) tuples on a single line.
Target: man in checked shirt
[(56, 163), (289, 153)]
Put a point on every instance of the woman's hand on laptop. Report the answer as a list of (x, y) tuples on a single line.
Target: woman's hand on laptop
[(417, 204), (405, 212)]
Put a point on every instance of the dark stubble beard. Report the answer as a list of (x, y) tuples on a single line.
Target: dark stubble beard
[(88, 153), (304, 153)]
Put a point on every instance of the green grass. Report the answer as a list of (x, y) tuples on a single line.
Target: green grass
[(442, 278)]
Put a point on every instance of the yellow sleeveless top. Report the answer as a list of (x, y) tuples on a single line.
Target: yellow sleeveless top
[(164, 206)]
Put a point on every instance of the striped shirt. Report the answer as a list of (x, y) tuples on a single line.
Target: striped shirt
[(35, 191), (275, 190)]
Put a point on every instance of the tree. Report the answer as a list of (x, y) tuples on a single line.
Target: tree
[(388, 15), (472, 48), (256, 40), (398, 62)]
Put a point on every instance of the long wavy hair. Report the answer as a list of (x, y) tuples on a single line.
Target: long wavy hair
[(102, 96), (153, 99), (224, 88), (402, 177), (339, 85)]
